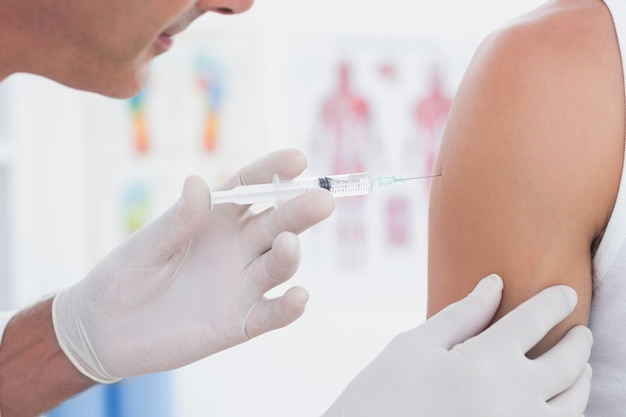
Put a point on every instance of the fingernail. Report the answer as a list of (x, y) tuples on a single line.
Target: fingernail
[(571, 297), (492, 280), (497, 280)]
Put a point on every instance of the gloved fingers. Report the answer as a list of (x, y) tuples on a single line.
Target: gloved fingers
[(276, 265), (558, 368), (573, 401), (271, 314), (295, 216), (527, 324), (465, 318), (286, 163), (168, 236)]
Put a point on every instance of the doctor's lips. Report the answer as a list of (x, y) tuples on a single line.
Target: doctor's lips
[(166, 39), (164, 42)]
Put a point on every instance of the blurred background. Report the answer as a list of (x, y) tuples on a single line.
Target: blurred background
[(359, 85)]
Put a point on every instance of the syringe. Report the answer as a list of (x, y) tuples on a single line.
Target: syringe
[(347, 185)]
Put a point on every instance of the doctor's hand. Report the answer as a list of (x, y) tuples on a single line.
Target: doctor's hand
[(447, 368), (191, 283)]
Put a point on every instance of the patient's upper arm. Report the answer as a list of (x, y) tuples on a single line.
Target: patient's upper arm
[(530, 164)]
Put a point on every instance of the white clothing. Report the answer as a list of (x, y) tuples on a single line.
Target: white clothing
[(608, 306)]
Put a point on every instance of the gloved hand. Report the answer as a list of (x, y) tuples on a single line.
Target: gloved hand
[(445, 368), (192, 282)]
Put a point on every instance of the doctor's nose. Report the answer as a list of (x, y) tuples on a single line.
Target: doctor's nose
[(224, 6)]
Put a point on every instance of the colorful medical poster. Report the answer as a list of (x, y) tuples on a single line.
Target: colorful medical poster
[(378, 106), (140, 128), (196, 101), (346, 141), (210, 79), (186, 121), (429, 116), (136, 206)]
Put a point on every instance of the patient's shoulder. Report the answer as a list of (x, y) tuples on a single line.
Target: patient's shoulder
[(565, 42), (559, 64), (545, 92)]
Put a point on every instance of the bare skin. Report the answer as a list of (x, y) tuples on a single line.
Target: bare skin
[(530, 160), (27, 390), (100, 46)]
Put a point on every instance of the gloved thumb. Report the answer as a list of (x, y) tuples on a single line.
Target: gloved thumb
[(467, 317), (169, 235)]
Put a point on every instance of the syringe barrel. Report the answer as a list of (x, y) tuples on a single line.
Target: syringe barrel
[(348, 185)]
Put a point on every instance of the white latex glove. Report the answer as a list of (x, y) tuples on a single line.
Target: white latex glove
[(442, 369), (192, 282)]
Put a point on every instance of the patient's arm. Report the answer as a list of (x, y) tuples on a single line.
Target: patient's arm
[(530, 160)]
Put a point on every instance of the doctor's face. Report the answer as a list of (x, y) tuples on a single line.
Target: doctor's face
[(106, 45)]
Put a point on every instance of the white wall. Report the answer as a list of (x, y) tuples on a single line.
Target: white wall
[(58, 205)]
